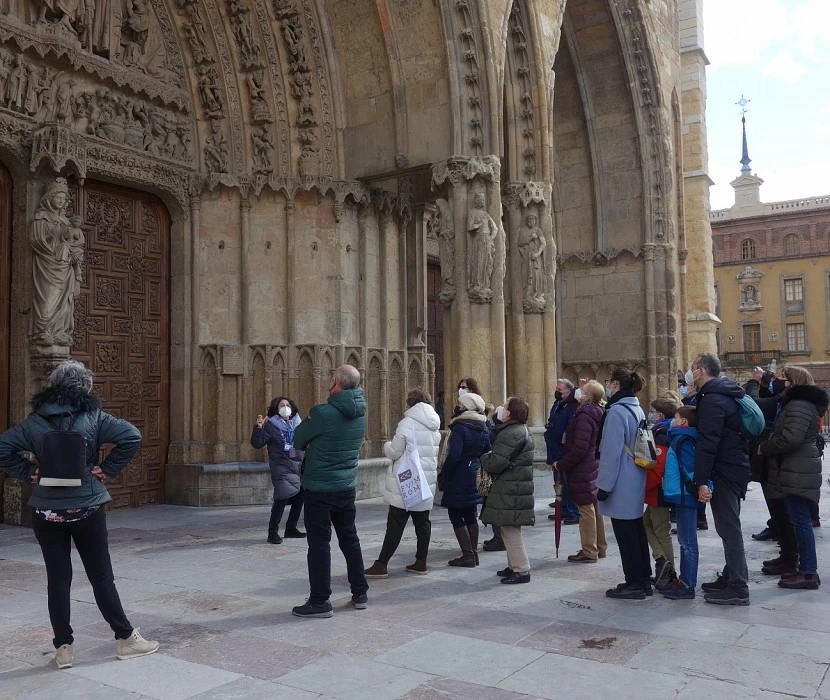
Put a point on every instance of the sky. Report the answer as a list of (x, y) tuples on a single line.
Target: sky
[(776, 53)]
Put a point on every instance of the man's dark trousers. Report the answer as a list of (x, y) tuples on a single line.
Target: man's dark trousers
[(322, 510)]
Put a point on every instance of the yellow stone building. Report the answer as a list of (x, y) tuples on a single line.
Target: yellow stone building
[(772, 279)]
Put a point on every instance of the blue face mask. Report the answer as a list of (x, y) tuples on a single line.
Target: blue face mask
[(608, 392), (650, 417), (684, 391)]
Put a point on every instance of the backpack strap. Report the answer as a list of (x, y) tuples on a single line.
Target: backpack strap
[(688, 483)]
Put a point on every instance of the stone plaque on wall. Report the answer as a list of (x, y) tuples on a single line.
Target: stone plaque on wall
[(232, 359)]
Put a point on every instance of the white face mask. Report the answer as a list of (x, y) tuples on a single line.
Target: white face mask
[(690, 377), (461, 392), (499, 413), (578, 394), (285, 412)]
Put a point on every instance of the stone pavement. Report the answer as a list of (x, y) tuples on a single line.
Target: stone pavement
[(204, 583)]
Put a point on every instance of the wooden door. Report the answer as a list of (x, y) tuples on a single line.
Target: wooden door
[(122, 324), (435, 324)]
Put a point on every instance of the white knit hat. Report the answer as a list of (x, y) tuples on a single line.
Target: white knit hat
[(472, 402)]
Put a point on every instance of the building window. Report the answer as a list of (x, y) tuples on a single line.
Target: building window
[(748, 249), (752, 337), (791, 245), (796, 337), (794, 290)]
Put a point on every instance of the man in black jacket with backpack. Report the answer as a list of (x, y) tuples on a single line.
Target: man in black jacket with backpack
[(722, 457)]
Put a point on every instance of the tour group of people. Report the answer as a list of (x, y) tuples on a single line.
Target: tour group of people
[(484, 473)]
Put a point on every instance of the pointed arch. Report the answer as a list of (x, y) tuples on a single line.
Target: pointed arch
[(375, 403), (209, 425), (278, 383)]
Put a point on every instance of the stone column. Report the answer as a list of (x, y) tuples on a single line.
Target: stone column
[(532, 340), (474, 325)]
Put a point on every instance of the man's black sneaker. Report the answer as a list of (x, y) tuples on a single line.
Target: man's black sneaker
[(274, 538), (718, 584), (504, 573), (294, 533), (727, 596), (360, 601), (310, 609), (627, 592), (766, 535)]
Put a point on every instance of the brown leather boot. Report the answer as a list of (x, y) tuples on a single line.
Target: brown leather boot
[(801, 581), (419, 567), (467, 558), (376, 570), (473, 530)]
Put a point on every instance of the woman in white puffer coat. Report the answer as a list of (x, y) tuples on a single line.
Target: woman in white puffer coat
[(418, 428)]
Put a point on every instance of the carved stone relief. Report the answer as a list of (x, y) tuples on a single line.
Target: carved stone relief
[(532, 247), (442, 226), (250, 54), (302, 89), (263, 149), (481, 248), (65, 108), (57, 259), (472, 76), (216, 149), (523, 64), (210, 92)]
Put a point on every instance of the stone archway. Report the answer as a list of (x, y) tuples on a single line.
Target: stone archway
[(122, 324)]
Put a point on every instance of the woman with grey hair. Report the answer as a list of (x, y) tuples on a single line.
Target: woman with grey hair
[(57, 447)]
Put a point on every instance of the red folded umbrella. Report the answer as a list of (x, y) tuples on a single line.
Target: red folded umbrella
[(557, 511)]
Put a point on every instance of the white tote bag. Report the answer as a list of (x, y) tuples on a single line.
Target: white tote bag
[(412, 481)]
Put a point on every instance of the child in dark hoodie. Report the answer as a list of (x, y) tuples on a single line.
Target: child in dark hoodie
[(679, 489)]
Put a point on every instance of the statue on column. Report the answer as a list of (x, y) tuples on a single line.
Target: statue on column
[(57, 256), (481, 253), (443, 227), (532, 247)]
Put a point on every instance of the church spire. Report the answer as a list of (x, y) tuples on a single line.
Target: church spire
[(745, 159)]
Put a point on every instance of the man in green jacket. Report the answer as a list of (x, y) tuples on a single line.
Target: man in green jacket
[(332, 436)]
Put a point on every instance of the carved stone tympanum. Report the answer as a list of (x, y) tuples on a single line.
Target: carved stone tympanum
[(57, 256)]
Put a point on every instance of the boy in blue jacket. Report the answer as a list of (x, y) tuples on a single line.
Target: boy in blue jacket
[(679, 489)]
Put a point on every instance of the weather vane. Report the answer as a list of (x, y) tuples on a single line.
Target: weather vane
[(742, 103)]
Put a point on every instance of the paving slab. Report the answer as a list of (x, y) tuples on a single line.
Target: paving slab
[(218, 598)]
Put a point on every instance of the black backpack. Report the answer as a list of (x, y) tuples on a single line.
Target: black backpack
[(62, 458)]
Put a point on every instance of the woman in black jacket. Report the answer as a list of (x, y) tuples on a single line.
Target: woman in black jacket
[(64, 512), (794, 467), (277, 432)]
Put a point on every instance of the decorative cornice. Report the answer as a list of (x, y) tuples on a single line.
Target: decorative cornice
[(600, 258), (460, 168)]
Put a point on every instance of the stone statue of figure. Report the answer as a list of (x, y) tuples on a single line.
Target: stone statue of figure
[(55, 268), (532, 247), (216, 149), (107, 20), (67, 12), (750, 295), (75, 241), (134, 32), (446, 246), (481, 253)]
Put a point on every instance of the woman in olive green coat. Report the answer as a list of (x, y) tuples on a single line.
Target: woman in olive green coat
[(510, 502)]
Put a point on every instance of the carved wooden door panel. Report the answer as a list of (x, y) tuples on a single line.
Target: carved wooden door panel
[(122, 326), (435, 324)]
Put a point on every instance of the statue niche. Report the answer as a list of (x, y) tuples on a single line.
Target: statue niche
[(481, 251), (532, 247), (57, 259), (442, 226)]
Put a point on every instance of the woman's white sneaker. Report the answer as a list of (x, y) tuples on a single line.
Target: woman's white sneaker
[(134, 646), (64, 656)]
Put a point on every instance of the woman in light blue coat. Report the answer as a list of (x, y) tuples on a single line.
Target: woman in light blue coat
[(622, 484)]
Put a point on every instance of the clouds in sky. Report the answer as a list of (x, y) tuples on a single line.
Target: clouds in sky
[(776, 52)]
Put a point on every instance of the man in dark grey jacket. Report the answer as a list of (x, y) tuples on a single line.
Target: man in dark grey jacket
[(65, 513), (722, 457)]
